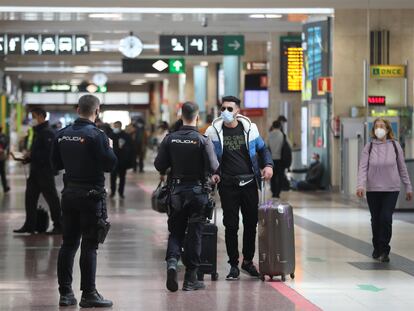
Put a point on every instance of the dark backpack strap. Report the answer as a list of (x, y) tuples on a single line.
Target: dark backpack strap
[(395, 149), (369, 154)]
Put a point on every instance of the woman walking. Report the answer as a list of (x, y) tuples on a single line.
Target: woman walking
[(381, 171)]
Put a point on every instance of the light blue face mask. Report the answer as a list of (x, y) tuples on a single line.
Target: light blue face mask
[(227, 116)]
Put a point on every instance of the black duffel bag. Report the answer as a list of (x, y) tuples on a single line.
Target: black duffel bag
[(160, 198)]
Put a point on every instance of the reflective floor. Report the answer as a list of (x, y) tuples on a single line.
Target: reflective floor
[(334, 268)]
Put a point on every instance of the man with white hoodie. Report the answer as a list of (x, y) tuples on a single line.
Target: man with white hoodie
[(239, 149)]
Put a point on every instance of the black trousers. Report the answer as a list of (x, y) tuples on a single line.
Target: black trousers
[(278, 178), (233, 199), (3, 175), (121, 173), (185, 223), (382, 205), (79, 220), (41, 182)]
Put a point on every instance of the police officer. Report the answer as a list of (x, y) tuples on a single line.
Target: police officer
[(85, 153), (41, 177), (190, 157)]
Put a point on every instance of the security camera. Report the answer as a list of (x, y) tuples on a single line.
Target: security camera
[(204, 21)]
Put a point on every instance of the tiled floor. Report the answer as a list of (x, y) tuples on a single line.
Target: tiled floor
[(334, 269)]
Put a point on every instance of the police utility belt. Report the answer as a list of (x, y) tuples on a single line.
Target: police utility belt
[(238, 180), (98, 195)]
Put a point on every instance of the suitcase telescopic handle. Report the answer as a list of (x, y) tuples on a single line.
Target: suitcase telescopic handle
[(263, 191)]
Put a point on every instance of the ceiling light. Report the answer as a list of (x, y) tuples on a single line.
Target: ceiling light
[(81, 69), (96, 42), (257, 16), (96, 50), (204, 63), (138, 82), (111, 11), (274, 15), (75, 81), (105, 15), (151, 75)]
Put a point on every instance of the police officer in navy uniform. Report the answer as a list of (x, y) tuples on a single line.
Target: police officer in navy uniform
[(190, 158), (85, 153)]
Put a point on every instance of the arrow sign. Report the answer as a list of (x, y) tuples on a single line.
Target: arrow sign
[(177, 65), (233, 45)]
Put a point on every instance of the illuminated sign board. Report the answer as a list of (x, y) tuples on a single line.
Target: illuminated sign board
[(387, 71), (291, 64), (158, 65), (43, 44), (201, 45), (376, 100)]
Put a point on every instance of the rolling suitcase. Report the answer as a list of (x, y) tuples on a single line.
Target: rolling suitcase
[(276, 238), (208, 264)]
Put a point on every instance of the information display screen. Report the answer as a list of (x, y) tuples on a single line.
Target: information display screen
[(291, 64), (256, 99)]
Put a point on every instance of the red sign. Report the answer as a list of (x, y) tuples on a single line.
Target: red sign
[(376, 100), (256, 112), (324, 85)]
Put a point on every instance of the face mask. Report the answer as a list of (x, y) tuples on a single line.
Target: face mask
[(227, 116), (34, 122), (313, 161), (380, 133), (117, 130)]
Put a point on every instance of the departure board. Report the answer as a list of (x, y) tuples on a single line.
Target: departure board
[(291, 64)]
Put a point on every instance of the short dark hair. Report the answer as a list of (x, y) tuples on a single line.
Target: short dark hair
[(232, 99), (118, 123), (87, 105), (189, 111), (39, 111), (282, 118), (277, 124)]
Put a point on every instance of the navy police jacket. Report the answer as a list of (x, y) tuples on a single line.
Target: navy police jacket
[(83, 151), (188, 154)]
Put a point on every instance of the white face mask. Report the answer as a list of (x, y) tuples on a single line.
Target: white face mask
[(34, 122), (117, 130), (380, 133)]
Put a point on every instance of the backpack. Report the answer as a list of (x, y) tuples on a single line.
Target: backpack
[(286, 155)]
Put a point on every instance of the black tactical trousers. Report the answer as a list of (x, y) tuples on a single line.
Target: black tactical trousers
[(79, 222), (186, 215), (40, 182)]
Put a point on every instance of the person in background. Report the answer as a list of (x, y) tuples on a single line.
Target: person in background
[(163, 130), (4, 154), (282, 119), (244, 160), (381, 170), (42, 176), (123, 149), (276, 140), (140, 144), (314, 174), (209, 120), (176, 126)]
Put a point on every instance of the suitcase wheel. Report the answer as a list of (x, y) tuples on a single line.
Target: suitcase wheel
[(292, 276), (214, 276), (262, 277), (200, 276), (283, 278)]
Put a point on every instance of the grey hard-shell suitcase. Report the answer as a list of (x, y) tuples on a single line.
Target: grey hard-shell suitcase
[(276, 239)]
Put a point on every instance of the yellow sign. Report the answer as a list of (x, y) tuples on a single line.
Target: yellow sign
[(294, 68), (387, 71)]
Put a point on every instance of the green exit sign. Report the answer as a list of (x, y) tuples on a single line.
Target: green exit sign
[(176, 65), (233, 45)]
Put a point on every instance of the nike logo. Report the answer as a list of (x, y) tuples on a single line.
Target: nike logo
[(244, 183)]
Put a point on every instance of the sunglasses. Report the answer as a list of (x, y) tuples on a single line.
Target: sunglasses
[(230, 109)]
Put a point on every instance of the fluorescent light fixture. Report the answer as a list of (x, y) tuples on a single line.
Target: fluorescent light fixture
[(172, 10), (257, 16), (96, 42), (75, 81), (138, 82), (105, 15), (96, 49), (81, 69), (151, 75), (204, 63), (45, 69), (274, 15)]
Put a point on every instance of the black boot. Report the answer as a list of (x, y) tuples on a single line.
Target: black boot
[(191, 282), (172, 283), (67, 300), (94, 300)]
